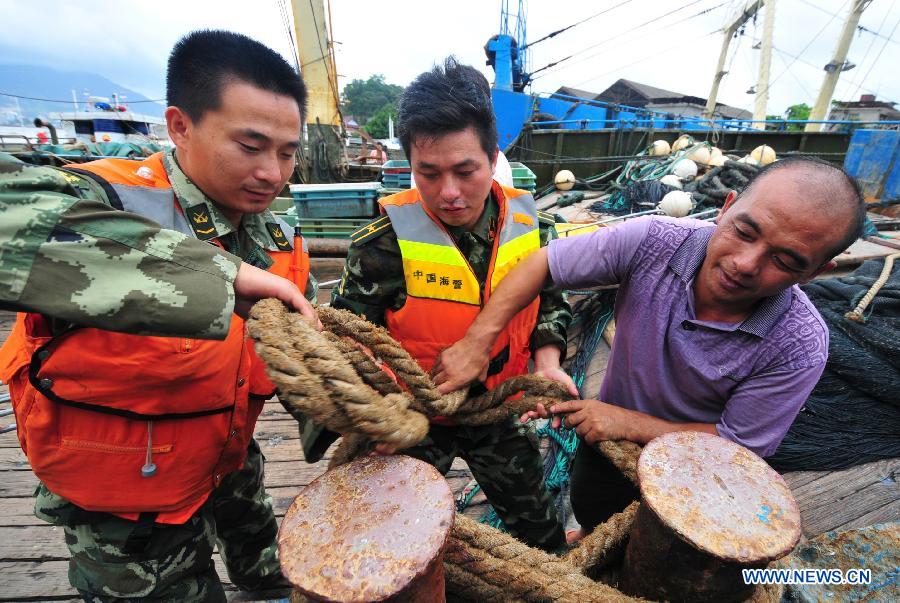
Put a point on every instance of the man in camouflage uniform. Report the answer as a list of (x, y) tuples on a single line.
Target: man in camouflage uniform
[(66, 254), (454, 178)]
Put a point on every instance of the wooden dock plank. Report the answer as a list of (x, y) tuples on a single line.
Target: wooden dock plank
[(35, 581), (836, 500), (49, 581), (42, 542)]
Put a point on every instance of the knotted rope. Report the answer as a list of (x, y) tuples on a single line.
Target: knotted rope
[(329, 378), (338, 385)]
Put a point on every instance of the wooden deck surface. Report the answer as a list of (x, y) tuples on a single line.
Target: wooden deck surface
[(33, 556)]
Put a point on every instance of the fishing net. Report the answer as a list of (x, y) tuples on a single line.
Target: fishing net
[(853, 414)]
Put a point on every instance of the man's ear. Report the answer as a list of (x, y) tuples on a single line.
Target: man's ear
[(827, 266), (494, 159), (729, 201), (179, 125)]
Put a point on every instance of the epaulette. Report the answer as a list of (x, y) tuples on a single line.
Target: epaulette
[(546, 218), (372, 230)]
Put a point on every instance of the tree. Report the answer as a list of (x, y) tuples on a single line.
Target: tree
[(364, 98), (377, 126), (800, 111)]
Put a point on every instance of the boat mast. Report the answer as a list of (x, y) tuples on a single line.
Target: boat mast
[(751, 9), (837, 65), (324, 123), (316, 54), (765, 61)]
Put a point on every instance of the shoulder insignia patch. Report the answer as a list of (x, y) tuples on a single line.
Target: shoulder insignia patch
[(546, 218), (370, 231), (201, 222), (278, 235)]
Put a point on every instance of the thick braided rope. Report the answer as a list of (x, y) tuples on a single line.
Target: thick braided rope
[(386, 348), (517, 570), (624, 455), (349, 447), (314, 378), (364, 366), (470, 587), (595, 549), (496, 405)]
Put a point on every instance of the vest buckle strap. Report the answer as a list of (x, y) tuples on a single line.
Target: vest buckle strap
[(498, 362)]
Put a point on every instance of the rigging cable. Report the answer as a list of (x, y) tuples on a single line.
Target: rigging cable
[(862, 28), (577, 23), (624, 33), (288, 30), (641, 60), (875, 62), (805, 48), (819, 68), (69, 101)]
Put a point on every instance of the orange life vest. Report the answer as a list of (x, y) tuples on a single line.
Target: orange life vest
[(443, 293), (89, 403)]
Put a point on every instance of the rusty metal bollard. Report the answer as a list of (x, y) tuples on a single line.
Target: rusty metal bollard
[(710, 508), (374, 529)]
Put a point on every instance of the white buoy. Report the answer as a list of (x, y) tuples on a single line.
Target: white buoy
[(699, 155), (564, 180), (671, 180), (763, 154), (748, 160), (676, 204), (685, 169), (717, 160), (659, 148), (684, 141)]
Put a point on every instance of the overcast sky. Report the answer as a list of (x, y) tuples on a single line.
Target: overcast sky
[(128, 41)]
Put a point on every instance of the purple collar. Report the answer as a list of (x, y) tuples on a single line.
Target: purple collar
[(687, 260)]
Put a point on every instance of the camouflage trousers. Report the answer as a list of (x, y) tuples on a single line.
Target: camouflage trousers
[(505, 460), (175, 563)]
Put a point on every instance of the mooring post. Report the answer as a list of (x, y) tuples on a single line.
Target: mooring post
[(710, 508), (374, 529)]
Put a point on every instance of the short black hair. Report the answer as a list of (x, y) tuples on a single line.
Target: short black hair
[(449, 98), (203, 61), (846, 192)]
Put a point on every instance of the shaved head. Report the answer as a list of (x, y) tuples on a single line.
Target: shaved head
[(822, 188)]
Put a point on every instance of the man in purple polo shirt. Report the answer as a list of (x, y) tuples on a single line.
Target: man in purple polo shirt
[(712, 332)]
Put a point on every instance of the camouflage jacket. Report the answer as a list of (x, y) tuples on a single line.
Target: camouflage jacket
[(65, 252), (373, 281)]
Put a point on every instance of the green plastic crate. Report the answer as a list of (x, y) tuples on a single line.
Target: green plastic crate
[(523, 177), (323, 228), (346, 200), (335, 228)]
